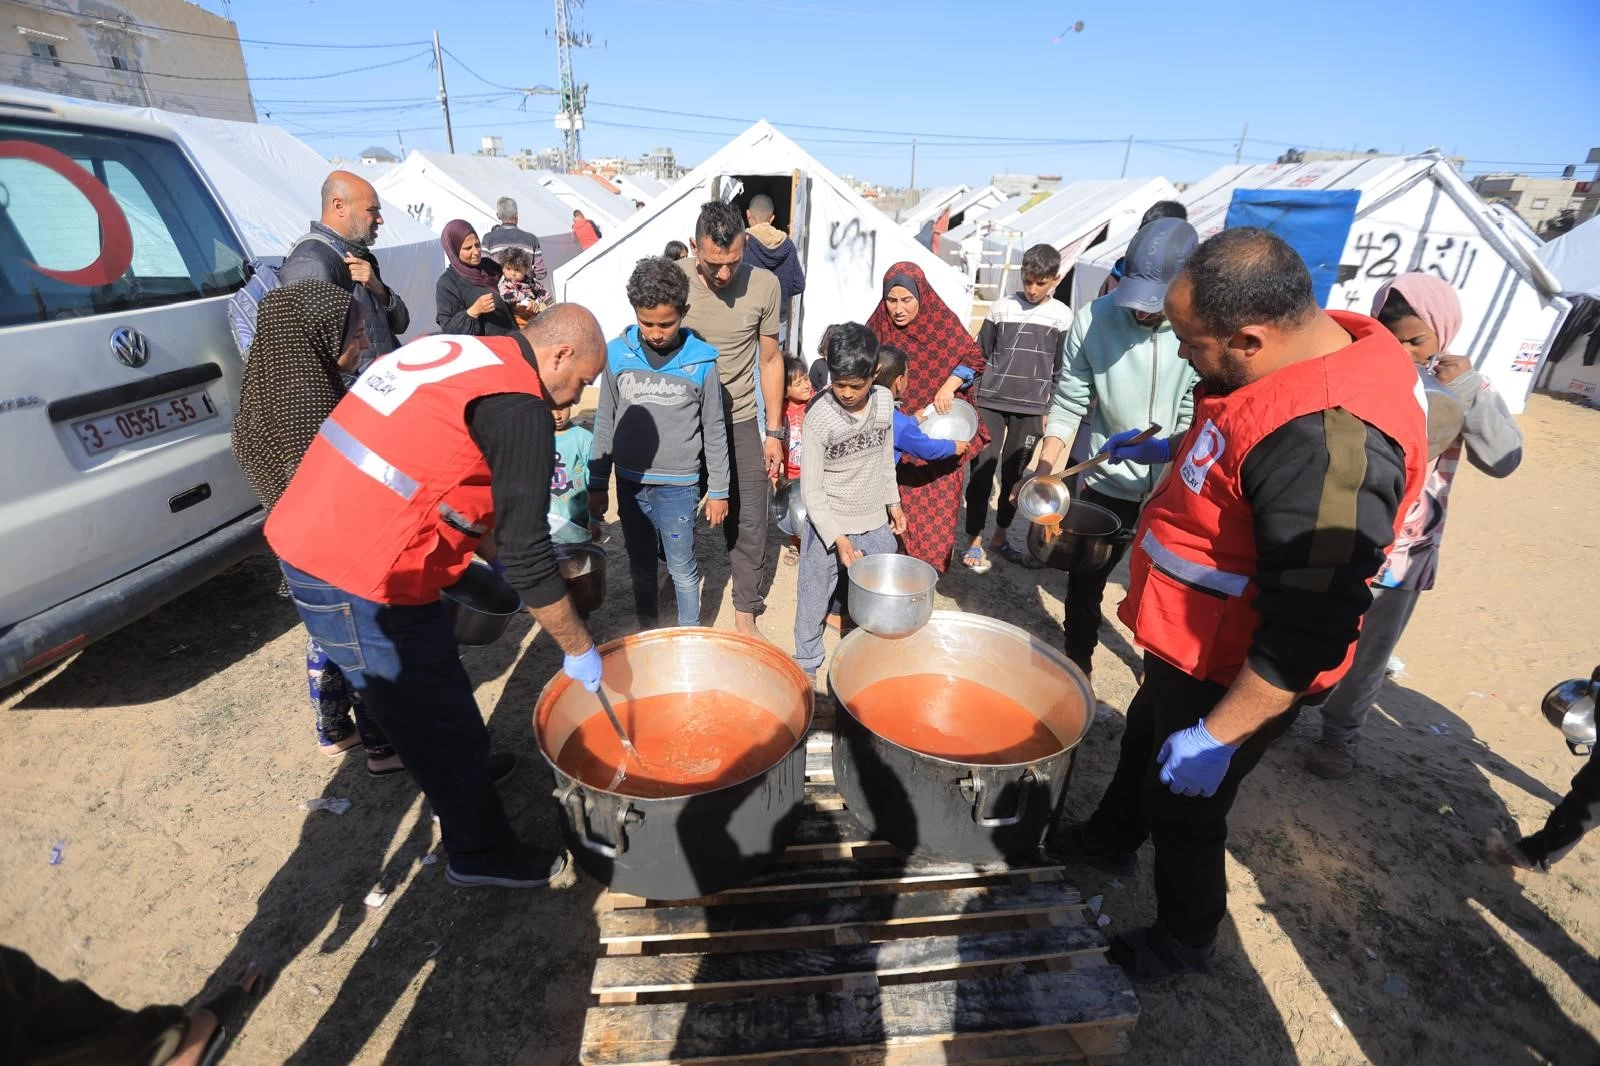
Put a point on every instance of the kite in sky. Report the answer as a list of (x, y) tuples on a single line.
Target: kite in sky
[(1076, 27)]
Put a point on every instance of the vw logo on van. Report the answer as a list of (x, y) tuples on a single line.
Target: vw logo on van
[(130, 347)]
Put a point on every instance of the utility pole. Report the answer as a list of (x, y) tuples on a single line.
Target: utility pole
[(402, 138), (444, 97), (1238, 156), (913, 186), (569, 120), (1125, 154)]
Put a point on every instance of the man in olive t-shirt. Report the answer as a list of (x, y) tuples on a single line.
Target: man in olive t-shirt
[(735, 308)]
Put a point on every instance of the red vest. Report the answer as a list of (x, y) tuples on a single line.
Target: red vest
[(1191, 593), (393, 495)]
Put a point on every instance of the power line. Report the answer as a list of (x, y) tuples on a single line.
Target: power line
[(246, 78), (134, 23)]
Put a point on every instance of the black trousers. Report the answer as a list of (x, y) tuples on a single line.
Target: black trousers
[(1190, 833), (46, 1020), (1574, 816), (745, 528), (1082, 617), (1011, 441)]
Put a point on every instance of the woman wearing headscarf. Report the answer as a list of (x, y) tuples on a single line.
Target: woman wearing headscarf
[(1422, 311), (304, 356), (942, 359), (468, 292)]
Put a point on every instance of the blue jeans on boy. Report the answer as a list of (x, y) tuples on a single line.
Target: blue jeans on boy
[(403, 662), (663, 514), (821, 574)]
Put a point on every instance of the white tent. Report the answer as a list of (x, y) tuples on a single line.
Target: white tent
[(1072, 220), (1574, 258), (929, 206), (845, 243), (1415, 213), (270, 183), (600, 203), (640, 187), (433, 188), (963, 207)]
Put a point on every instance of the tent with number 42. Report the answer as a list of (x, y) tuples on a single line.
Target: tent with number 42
[(1414, 213)]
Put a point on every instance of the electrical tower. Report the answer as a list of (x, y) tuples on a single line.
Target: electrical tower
[(569, 120)]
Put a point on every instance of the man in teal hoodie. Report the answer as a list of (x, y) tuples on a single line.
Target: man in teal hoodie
[(660, 410), (1122, 371)]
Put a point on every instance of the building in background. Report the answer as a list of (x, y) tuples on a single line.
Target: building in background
[(376, 154), (543, 159), (661, 164), (1017, 184), (125, 52), (1549, 205)]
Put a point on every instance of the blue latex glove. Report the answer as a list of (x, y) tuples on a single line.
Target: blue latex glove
[(1193, 761), (498, 567), (1151, 452), (584, 669)]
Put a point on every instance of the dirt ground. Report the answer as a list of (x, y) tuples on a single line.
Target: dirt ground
[(170, 763)]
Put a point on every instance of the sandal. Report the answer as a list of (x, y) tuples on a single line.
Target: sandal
[(1017, 557), (229, 1009), (976, 560), (341, 747), (791, 555), (385, 767), (1148, 954)]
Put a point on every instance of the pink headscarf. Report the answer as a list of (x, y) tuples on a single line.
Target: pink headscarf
[(1431, 298)]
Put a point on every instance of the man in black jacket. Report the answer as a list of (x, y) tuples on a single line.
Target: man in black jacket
[(506, 234), (770, 248), (337, 250)]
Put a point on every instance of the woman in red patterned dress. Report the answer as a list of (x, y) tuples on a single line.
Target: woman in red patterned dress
[(943, 360)]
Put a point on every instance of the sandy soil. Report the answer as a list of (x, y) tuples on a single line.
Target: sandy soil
[(171, 762)]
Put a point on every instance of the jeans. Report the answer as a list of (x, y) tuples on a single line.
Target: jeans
[(668, 512), (1347, 705), (1082, 617), (746, 525), (1190, 832), (1011, 441), (820, 575), (403, 662)]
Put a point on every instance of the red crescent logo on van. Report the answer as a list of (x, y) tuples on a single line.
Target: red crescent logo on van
[(116, 239), (453, 349)]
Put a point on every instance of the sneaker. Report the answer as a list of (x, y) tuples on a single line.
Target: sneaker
[(501, 763), (1332, 758), (1069, 845), (525, 867)]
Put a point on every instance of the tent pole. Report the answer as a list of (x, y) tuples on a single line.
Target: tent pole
[(1238, 156), (1126, 153), (444, 98)]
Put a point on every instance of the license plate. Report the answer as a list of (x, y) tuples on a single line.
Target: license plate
[(113, 430)]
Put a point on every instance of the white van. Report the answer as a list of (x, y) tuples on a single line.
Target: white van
[(118, 379)]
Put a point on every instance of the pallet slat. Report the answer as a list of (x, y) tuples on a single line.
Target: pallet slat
[(788, 967), (690, 923), (870, 875), (863, 1026)]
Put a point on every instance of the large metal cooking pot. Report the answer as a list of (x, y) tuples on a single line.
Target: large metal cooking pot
[(583, 568), (976, 812), (1445, 415), (891, 596), (1089, 536), (680, 847), (481, 605)]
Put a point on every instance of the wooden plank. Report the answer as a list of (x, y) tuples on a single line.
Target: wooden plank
[(867, 1024), (820, 740), (951, 905), (782, 970), (867, 875), (819, 765)]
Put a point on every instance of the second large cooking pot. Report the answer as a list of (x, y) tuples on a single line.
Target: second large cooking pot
[(958, 808), (679, 846), (1086, 540)]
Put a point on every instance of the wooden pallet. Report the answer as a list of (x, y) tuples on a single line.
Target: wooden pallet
[(848, 952)]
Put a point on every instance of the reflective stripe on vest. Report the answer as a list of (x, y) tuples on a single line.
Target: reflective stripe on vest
[(1189, 572), (368, 461)]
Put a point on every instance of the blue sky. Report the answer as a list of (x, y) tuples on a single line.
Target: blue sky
[(1512, 84)]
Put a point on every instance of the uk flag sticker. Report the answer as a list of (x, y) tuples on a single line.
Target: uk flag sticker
[(1208, 446)]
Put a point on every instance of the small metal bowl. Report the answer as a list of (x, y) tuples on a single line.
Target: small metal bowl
[(789, 509), (1043, 496), (959, 423), (891, 595)]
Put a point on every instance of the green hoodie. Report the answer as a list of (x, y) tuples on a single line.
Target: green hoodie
[(1131, 376)]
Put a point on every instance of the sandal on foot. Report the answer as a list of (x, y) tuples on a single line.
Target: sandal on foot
[(1148, 954), (791, 555), (340, 747), (1017, 557), (385, 767), (229, 1008), (976, 560)]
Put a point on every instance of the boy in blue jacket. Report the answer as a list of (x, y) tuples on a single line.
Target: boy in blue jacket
[(909, 440), (660, 411)]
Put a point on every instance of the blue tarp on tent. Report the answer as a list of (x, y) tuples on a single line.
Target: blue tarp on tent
[(1315, 223)]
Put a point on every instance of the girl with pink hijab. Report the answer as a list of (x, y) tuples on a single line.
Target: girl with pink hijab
[(1422, 311)]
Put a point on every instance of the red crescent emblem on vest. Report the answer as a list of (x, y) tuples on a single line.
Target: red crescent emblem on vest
[(116, 239), (1208, 441), (453, 350)]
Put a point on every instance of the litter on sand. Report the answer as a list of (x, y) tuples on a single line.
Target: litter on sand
[(1396, 667), (429, 859), (1396, 987), (375, 898), (323, 803), (1333, 1016), (56, 852), (1103, 921), (1094, 903)]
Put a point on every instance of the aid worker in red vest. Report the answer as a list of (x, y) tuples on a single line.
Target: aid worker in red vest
[(1249, 570), (436, 445)]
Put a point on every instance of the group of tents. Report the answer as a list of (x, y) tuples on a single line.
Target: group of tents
[(1410, 213)]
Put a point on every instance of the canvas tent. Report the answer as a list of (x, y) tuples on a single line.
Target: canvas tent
[(845, 243), (1574, 259), (1072, 220), (640, 187), (433, 188), (270, 183), (600, 203), (956, 212), (929, 206), (1415, 213)]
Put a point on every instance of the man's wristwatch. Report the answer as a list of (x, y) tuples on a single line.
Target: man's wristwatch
[(779, 433)]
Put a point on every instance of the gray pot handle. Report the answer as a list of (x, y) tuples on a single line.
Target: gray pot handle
[(972, 785), (577, 803)]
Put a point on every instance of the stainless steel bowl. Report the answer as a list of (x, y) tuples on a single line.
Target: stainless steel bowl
[(481, 605), (1042, 496), (1570, 707), (1445, 415), (789, 509), (891, 596), (959, 423)]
